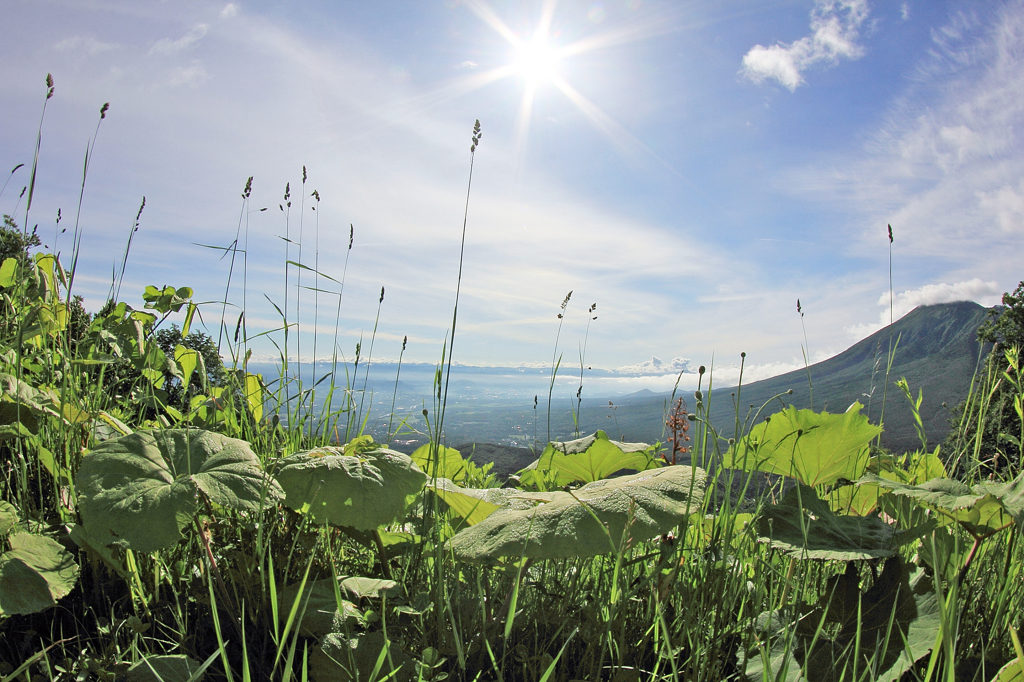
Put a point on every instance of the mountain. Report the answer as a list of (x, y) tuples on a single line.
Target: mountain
[(936, 350)]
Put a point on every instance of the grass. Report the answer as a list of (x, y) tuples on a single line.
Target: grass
[(704, 600)]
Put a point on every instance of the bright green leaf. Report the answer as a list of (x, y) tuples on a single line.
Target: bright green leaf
[(187, 359), (450, 463), (814, 448), (476, 504), (594, 457), (982, 510)]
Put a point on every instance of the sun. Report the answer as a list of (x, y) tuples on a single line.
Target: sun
[(535, 61)]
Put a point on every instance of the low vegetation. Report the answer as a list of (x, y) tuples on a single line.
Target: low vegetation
[(163, 517)]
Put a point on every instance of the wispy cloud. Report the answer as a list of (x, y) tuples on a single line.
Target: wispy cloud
[(192, 75), (835, 26), (87, 44), (166, 46)]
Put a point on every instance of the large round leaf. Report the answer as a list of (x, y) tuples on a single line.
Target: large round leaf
[(592, 458), (587, 521), (344, 659), (805, 527), (363, 491), (142, 489), (34, 574), (814, 448)]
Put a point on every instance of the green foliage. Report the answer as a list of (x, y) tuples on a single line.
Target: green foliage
[(881, 632), (142, 490), (14, 243), (364, 491), (814, 448), (586, 460), (805, 527), (988, 428), (35, 572), (600, 517)]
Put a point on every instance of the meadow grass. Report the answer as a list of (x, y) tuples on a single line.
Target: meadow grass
[(710, 598)]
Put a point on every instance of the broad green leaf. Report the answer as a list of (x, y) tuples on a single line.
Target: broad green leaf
[(142, 489), (7, 272), (883, 631), (254, 395), (943, 552), (364, 491), (591, 520), (450, 463), (34, 574), (188, 360), (476, 504), (982, 510), (814, 448), (8, 517), (358, 587), (1011, 672), (167, 299), (594, 457), (344, 659), (925, 466), (804, 527), (852, 500), (175, 668), (318, 611)]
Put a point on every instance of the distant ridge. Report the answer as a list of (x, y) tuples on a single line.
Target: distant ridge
[(938, 352)]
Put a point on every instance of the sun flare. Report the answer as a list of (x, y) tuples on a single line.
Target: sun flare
[(535, 61)]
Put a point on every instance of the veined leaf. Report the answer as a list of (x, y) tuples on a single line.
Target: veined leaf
[(363, 491), (476, 504), (8, 517), (805, 527), (318, 612), (142, 489), (450, 463), (593, 458), (254, 395), (595, 519), (982, 510), (34, 574), (342, 659), (892, 625), (814, 448)]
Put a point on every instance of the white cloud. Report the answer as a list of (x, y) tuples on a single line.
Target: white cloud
[(984, 293), (230, 10), (1007, 205), (657, 366), (192, 75), (84, 43), (170, 47), (835, 26)]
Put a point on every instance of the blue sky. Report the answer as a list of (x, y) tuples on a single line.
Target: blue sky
[(692, 168)]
